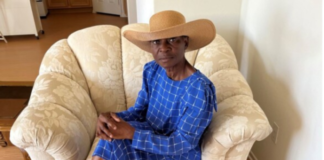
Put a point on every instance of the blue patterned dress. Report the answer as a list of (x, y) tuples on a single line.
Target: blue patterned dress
[(169, 118)]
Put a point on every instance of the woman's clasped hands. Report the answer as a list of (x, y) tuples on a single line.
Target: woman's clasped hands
[(110, 126)]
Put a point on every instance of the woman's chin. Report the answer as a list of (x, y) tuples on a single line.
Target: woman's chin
[(166, 65)]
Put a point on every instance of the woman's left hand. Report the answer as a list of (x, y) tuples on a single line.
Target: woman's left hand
[(123, 131)]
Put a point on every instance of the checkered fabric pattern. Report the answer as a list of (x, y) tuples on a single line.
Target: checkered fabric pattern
[(169, 118)]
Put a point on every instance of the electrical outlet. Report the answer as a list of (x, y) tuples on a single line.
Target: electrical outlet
[(275, 132)]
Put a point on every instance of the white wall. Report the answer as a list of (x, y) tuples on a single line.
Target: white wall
[(280, 54), (225, 14), (145, 9)]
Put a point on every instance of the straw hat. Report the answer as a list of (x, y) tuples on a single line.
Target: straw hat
[(167, 24)]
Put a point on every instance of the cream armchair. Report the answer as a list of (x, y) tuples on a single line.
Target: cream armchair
[(97, 70)]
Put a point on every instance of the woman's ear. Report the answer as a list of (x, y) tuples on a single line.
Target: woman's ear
[(186, 41)]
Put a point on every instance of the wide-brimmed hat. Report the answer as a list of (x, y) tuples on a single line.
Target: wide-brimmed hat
[(167, 24)]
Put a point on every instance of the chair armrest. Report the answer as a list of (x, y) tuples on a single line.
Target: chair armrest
[(239, 119), (60, 119), (50, 128)]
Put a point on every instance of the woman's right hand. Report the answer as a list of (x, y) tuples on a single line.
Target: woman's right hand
[(105, 123)]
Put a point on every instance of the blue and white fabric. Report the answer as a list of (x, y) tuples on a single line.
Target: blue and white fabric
[(169, 118)]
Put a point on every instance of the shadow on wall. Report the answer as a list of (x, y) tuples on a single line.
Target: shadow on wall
[(274, 97)]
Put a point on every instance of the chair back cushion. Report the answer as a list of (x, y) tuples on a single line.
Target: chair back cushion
[(218, 62), (98, 52)]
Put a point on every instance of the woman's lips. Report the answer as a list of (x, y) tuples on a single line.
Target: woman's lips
[(166, 59)]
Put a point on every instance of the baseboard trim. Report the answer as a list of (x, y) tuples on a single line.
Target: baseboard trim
[(252, 156), (71, 10)]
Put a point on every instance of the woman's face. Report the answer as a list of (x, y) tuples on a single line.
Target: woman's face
[(170, 51)]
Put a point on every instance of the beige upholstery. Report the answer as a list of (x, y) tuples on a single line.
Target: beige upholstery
[(96, 70)]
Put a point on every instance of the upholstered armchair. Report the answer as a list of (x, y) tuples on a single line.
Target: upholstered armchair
[(97, 70)]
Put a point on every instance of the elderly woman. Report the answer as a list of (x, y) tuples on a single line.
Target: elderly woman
[(176, 102)]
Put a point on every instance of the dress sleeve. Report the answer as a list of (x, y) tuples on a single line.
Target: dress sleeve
[(200, 100), (138, 111)]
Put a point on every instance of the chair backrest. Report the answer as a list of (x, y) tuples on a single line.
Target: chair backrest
[(98, 51)]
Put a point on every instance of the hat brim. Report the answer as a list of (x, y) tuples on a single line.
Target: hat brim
[(200, 32)]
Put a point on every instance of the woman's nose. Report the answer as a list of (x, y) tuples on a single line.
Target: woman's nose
[(164, 46)]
